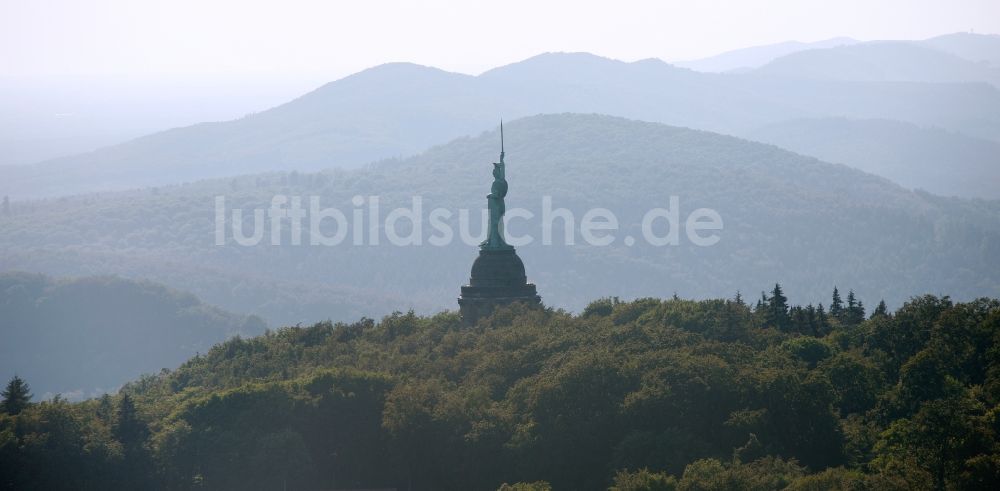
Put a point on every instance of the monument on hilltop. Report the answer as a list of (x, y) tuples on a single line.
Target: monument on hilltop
[(497, 274)]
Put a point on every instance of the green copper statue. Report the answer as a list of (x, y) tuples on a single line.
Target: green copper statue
[(494, 238)]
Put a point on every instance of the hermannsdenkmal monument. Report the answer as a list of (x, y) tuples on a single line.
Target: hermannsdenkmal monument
[(498, 276)]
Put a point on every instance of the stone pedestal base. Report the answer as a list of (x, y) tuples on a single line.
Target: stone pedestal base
[(497, 279)]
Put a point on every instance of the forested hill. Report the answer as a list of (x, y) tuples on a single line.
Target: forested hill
[(84, 336), (810, 223), (643, 395), (932, 159), (746, 59), (882, 61), (401, 108)]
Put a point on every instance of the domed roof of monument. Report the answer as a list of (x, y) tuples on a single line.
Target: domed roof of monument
[(498, 268)]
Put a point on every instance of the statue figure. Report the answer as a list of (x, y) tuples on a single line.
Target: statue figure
[(498, 276), (494, 236)]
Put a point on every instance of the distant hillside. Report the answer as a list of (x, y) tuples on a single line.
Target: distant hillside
[(806, 223), (84, 336), (398, 109), (933, 159), (973, 47), (882, 61), (749, 58)]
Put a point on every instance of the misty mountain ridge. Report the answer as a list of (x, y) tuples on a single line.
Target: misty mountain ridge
[(971, 46), (399, 109), (940, 161), (882, 61), (819, 224), (978, 48), (84, 336), (46, 119), (745, 59)]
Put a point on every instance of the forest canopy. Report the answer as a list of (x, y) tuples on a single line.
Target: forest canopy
[(628, 395)]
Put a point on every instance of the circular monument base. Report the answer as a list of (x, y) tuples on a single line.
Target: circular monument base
[(497, 279)]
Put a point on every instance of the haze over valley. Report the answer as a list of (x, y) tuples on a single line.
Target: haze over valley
[(399, 109), (511, 246), (814, 219), (880, 118)]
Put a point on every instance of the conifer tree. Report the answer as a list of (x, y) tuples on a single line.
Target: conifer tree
[(822, 321), (881, 310), (16, 396), (762, 302), (836, 305), (132, 433), (811, 319), (105, 409), (129, 429), (777, 309), (855, 312)]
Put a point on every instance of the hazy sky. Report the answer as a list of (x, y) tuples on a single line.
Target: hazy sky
[(327, 39)]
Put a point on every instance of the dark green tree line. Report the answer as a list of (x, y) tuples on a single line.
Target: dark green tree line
[(630, 395)]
